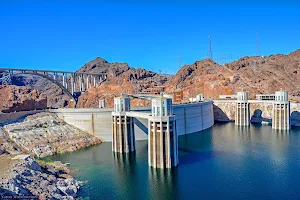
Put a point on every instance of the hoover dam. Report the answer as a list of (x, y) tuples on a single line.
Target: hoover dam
[(191, 118)]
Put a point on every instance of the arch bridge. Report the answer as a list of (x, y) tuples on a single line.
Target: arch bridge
[(69, 82)]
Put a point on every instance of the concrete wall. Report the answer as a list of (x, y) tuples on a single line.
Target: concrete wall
[(94, 121), (193, 117), (260, 111), (190, 118)]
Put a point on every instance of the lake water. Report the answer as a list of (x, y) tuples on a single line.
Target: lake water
[(223, 162)]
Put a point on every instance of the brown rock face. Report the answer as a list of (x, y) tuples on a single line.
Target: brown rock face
[(99, 65), (20, 98), (44, 134), (121, 79), (253, 74), (55, 96)]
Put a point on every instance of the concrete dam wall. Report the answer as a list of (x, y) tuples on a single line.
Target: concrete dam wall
[(260, 112), (191, 118)]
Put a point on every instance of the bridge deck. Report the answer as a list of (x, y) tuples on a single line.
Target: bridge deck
[(51, 71)]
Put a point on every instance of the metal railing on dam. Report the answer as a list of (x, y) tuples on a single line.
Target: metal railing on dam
[(191, 118)]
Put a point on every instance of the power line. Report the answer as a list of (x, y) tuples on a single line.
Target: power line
[(210, 55), (180, 63), (257, 44)]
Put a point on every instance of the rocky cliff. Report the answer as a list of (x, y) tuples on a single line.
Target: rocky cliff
[(121, 79), (55, 96), (24, 178), (44, 134), (21, 98), (253, 74)]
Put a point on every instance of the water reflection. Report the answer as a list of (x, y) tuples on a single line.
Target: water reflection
[(125, 174), (125, 161), (281, 133), (224, 162), (196, 140), (163, 183), (244, 133), (195, 148)]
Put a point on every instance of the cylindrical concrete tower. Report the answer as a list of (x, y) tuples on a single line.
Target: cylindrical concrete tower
[(162, 135), (281, 111), (242, 109), (122, 130)]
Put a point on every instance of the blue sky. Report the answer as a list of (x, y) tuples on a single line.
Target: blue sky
[(64, 35)]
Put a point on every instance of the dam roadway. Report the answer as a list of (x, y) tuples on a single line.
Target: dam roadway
[(191, 117)]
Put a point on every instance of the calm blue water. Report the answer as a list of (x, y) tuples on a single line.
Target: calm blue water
[(223, 162)]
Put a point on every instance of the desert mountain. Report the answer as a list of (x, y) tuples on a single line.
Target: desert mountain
[(19, 98), (121, 79), (253, 74)]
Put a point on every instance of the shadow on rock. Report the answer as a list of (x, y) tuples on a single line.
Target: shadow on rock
[(295, 118), (258, 118)]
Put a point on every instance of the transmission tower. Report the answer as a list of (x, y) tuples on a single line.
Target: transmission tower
[(179, 62), (257, 44), (159, 78), (210, 55)]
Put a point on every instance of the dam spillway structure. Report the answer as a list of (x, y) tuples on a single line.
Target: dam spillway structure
[(123, 138), (242, 108), (162, 135), (281, 111)]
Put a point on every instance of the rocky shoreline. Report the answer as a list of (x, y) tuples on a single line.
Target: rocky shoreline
[(44, 134), (39, 135), (28, 179)]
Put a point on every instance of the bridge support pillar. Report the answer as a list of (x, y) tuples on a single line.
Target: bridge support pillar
[(63, 80), (242, 109), (162, 135), (73, 83), (87, 82), (80, 85), (281, 111), (122, 131), (66, 79), (82, 89)]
